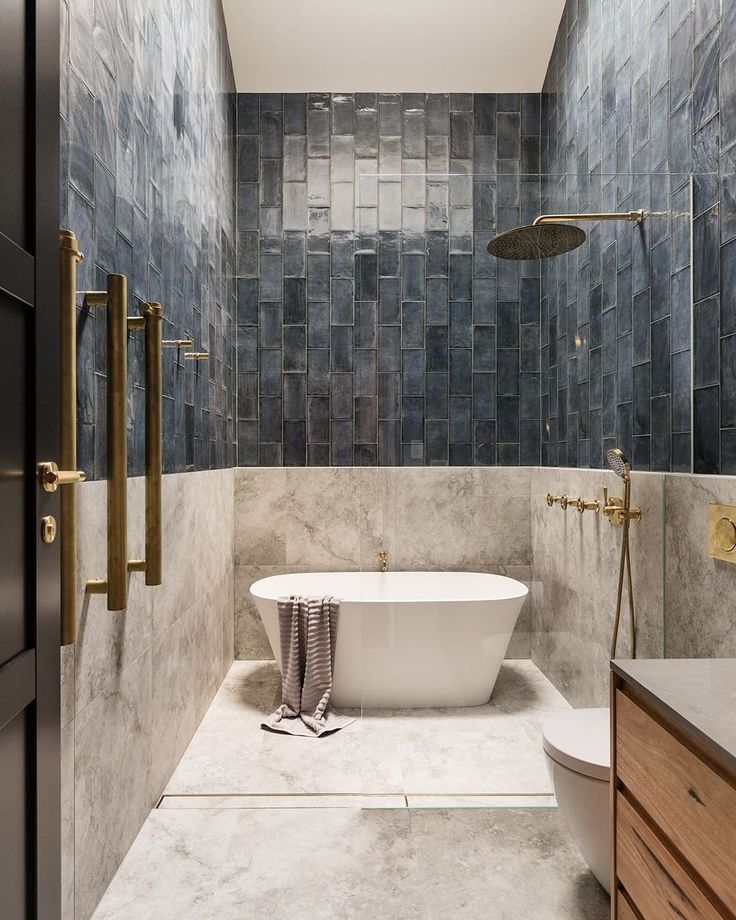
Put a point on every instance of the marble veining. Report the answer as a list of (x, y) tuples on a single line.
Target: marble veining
[(575, 575), (137, 683), (418, 752), (701, 622), (427, 519), (403, 864)]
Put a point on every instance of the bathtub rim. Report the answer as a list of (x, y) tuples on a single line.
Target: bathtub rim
[(521, 592)]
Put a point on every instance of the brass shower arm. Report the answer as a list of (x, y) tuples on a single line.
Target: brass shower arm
[(635, 216)]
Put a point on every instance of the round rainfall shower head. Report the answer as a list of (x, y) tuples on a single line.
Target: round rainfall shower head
[(537, 241), (619, 463)]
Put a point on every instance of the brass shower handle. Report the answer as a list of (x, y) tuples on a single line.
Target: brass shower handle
[(152, 322), (115, 300), (584, 505), (556, 500)]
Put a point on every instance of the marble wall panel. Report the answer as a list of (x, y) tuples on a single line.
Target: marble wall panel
[(463, 519), (139, 681), (701, 615), (575, 576), (113, 788)]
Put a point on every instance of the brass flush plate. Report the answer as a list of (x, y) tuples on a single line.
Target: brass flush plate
[(722, 532)]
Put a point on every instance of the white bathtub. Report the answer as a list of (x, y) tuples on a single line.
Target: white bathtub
[(408, 639)]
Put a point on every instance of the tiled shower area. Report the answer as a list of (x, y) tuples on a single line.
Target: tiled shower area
[(374, 381)]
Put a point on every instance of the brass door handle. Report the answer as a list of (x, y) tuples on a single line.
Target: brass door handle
[(52, 477)]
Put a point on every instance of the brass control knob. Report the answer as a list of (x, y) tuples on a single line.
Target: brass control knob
[(725, 534), (584, 505)]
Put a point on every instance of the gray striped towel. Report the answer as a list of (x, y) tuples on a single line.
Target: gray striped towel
[(308, 632)]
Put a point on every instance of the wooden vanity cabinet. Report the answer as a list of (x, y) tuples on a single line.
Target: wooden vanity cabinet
[(674, 817)]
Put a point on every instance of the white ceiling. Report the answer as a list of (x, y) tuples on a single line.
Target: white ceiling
[(489, 46)]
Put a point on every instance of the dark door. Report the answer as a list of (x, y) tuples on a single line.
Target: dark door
[(29, 396)]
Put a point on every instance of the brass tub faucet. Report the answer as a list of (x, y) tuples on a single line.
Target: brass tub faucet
[(383, 559)]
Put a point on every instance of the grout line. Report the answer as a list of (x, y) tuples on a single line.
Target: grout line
[(334, 795)]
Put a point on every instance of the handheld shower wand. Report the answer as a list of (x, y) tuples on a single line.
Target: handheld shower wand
[(619, 512)]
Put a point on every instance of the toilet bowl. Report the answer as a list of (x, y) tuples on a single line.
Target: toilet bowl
[(577, 745)]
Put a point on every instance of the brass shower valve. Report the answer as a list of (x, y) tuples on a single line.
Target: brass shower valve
[(584, 504), (616, 511)]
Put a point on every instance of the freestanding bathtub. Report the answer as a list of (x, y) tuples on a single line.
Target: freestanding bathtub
[(408, 639)]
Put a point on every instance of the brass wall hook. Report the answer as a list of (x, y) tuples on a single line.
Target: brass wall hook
[(383, 559), (177, 343), (196, 355)]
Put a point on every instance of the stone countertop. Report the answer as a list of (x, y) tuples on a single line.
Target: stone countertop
[(699, 694)]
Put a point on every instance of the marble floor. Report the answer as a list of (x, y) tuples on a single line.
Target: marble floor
[(350, 864), (433, 757), (405, 815)]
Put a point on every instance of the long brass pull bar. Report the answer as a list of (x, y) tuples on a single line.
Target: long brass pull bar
[(117, 443), (116, 300), (69, 258), (154, 435), (152, 322)]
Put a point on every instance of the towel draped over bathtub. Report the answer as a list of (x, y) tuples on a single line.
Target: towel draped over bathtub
[(308, 633)]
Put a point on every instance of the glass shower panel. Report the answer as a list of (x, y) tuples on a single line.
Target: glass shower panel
[(457, 386), (616, 329), (464, 362)]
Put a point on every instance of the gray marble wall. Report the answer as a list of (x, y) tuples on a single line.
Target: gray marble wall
[(684, 599), (699, 591), (291, 520), (575, 565), (137, 683)]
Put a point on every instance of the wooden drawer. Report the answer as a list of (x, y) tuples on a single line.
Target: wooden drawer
[(693, 806), (657, 883), (623, 911)]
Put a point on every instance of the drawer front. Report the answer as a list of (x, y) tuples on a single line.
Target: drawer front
[(655, 881), (623, 911), (694, 807)]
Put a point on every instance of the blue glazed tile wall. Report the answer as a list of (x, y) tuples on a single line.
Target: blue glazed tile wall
[(148, 184), (640, 94), (373, 327)]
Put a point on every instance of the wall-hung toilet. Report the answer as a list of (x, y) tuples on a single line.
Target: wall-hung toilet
[(578, 748)]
